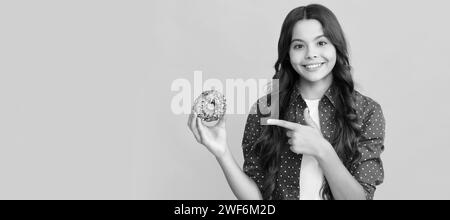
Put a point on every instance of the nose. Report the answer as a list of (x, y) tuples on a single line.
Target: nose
[(311, 54)]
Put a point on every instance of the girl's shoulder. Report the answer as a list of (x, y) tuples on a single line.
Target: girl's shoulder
[(366, 107)]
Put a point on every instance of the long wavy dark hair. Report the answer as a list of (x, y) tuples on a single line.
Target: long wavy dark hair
[(273, 138)]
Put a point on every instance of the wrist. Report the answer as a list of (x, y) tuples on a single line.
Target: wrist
[(224, 154), (324, 152)]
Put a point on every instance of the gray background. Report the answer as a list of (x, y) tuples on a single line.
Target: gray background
[(85, 92)]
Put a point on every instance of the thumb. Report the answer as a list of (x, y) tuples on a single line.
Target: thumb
[(308, 119)]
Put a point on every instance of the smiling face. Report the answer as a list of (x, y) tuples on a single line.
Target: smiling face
[(312, 55)]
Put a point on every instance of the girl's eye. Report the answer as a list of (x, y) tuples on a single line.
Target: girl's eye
[(322, 43), (298, 46)]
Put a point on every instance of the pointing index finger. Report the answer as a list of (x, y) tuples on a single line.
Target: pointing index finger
[(283, 123)]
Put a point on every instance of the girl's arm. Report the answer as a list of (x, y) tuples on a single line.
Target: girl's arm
[(243, 187), (342, 184), (369, 171), (361, 181), (214, 139)]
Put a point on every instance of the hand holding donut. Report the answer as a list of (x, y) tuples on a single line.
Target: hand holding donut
[(208, 107)]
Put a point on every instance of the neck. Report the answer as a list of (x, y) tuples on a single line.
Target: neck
[(315, 90)]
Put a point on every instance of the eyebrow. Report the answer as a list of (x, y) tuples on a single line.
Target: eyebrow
[(304, 41)]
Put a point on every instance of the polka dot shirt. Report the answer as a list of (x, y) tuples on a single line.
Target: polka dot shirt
[(368, 171)]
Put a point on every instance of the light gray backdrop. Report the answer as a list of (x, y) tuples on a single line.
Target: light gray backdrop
[(85, 92)]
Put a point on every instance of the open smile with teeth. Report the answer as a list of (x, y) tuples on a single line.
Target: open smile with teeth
[(313, 66)]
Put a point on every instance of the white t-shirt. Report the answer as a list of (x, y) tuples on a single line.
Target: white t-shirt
[(311, 175)]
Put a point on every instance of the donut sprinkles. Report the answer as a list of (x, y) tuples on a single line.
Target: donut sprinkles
[(210, 106)]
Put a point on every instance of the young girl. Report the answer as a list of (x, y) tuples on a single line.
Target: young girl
[(329, 138)]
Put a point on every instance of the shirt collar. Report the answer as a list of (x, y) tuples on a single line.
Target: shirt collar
[(331, 93)]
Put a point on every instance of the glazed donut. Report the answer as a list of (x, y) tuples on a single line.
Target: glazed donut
[(210, 106)]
